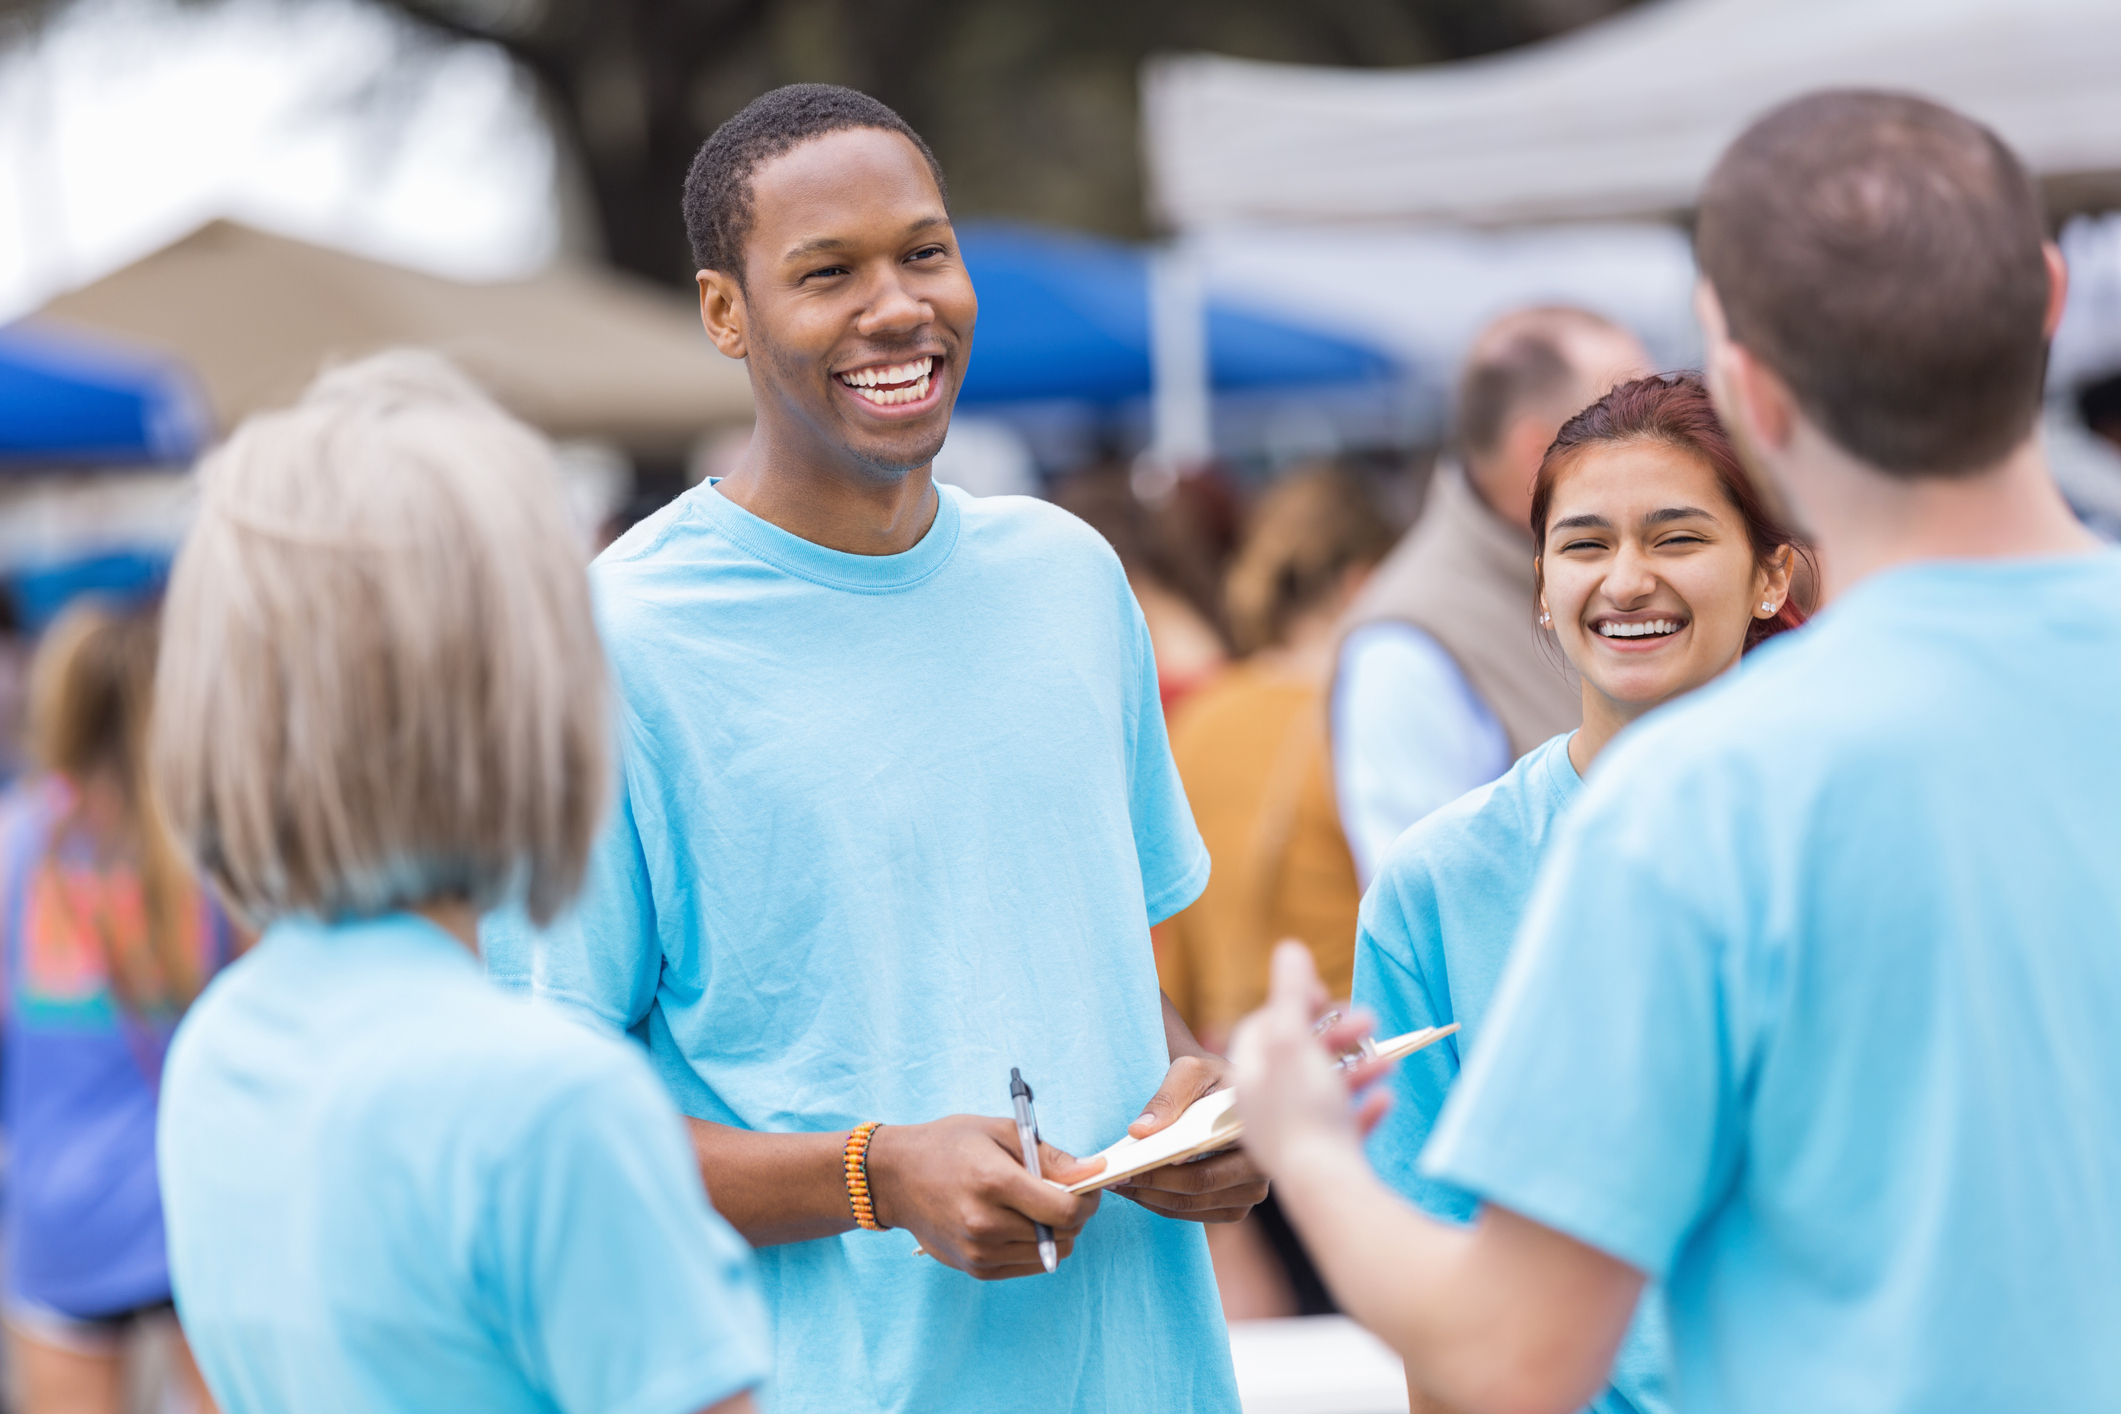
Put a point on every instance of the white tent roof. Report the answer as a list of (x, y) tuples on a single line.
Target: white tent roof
[(1621, 119)]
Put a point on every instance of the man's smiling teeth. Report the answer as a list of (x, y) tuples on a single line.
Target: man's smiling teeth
[(1651, 628), (888, 384)]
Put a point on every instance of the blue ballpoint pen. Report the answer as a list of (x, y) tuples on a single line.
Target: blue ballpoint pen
[(1027, 1136)]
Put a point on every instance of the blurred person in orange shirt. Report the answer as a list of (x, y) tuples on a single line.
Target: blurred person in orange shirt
[(106, 940), (1251, 749)]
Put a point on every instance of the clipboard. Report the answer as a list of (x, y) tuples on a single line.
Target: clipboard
[(1210, 1124)]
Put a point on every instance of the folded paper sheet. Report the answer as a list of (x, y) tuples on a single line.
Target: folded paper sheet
[(1210, 1124)]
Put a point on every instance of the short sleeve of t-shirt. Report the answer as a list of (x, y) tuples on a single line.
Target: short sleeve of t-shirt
[(1174, 861), (601, 957), (1601, 1100), (623, 1291)]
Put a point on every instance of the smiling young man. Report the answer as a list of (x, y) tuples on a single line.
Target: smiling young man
[(1812, 1016), (896, 815)]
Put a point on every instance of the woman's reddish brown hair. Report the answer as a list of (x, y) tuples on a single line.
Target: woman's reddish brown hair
[(1674, 408)]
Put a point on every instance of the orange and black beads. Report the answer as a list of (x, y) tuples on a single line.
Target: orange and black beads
[(856, 1159)]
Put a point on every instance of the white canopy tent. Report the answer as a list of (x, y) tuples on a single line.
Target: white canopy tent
[(1423, 293), (1410, 206), (1620, 119)]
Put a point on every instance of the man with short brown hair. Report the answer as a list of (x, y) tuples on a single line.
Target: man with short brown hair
[(1811, 1018)]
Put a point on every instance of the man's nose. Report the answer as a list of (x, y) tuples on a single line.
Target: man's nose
[(893, 309)]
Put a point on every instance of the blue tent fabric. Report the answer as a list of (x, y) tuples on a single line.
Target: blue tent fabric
[(70, 399), (125, 576), (1067, 317)]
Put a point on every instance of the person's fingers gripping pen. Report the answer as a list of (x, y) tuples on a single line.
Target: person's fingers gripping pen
[(960, 1186)]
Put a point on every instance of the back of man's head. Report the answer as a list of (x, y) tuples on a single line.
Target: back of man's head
[(1544, 362), (1883, 255)]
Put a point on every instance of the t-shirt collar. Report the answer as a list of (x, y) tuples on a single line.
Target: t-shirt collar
[(836, 569)]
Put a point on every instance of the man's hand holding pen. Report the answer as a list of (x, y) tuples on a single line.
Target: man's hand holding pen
[(959, 1185)]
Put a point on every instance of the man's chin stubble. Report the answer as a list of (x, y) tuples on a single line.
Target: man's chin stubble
[(894, 468)]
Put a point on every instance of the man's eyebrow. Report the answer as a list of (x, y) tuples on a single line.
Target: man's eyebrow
[(814, 247), (822, 244), (1672, 513)]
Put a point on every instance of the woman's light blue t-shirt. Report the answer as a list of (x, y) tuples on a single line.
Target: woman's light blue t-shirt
[(1813, 1015), (389, 1185), (1435, 931), (889, 826)]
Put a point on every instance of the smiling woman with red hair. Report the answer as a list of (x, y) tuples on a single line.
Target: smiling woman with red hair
[(1659, 566)]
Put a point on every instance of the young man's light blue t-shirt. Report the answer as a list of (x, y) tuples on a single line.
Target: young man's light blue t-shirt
[(1435, 931), (1813, 1015), (889, 826), (389, 1185)]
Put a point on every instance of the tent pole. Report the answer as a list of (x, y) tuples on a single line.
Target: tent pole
[(1178, 341)]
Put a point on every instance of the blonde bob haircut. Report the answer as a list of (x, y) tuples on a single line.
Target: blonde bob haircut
[(380, 682)]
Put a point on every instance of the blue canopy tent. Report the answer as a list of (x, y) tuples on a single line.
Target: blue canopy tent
[(66, 399), (71, 402), (1067, 317)]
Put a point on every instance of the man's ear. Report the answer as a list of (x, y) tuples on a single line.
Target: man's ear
[(2057, 287), (722, 313), (1758, 409), (1754, 403)]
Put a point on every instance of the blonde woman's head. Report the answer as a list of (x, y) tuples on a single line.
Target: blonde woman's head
[(380, 683)]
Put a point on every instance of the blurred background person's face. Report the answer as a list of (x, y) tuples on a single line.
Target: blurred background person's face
[(1600, 357)]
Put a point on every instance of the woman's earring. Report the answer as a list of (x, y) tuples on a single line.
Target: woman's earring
[(1546, 619), (1767, 606)]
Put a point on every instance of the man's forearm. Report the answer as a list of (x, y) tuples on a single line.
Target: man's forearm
[(1384, 1263), (774, 1188), (1452, 1300), (1179, 1040)]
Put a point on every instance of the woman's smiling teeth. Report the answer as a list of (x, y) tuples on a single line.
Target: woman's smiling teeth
[(886, 384), (1648, 628)]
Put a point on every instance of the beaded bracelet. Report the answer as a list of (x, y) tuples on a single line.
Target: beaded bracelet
[(856, 1160)]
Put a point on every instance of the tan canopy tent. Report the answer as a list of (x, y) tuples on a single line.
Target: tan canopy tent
[(578, 353)]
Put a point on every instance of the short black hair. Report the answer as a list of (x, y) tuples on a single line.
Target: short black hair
[(718, 188)]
